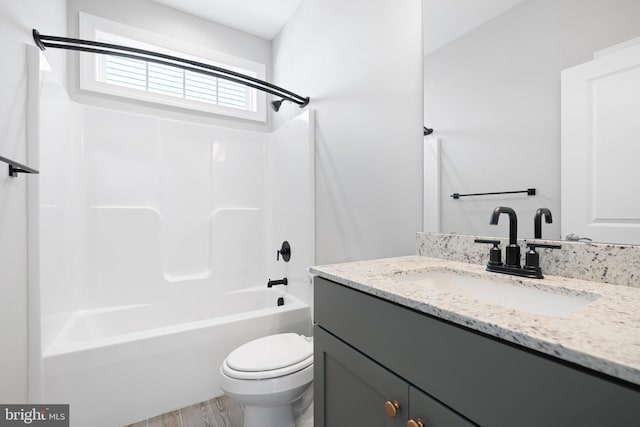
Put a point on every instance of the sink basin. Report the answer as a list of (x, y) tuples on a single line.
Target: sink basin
[(494, 291)]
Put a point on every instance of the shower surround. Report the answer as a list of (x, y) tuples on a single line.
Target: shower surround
[(156, 239)]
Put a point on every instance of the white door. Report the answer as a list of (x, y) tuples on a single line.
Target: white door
[(601, 147)]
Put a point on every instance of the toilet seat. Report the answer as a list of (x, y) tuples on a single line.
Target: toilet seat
[(263, 375), (269, 357)]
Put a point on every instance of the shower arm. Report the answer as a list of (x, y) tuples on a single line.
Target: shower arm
[(44, 41)]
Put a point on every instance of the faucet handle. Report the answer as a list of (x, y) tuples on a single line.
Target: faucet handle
[(533, 246), (495, 253), (532, 258), (489, 241), (285, 251)]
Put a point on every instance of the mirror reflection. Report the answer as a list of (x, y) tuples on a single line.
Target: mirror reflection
[(533, 94)]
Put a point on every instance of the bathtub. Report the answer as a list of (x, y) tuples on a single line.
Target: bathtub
[(119, 365)]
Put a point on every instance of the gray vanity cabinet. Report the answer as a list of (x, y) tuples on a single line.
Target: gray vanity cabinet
[(353, 390), (369, 351)]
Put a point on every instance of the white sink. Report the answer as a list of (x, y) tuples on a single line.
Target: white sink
[(498, 292)]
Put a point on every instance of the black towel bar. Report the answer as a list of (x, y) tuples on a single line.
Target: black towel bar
[(529, 191), (15, 168)]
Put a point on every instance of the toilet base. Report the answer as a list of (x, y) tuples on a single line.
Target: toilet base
[(275, 416)]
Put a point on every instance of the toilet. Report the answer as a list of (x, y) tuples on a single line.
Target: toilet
[(267, 375)]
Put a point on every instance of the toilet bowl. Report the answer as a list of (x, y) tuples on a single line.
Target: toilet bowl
[(267, 375)]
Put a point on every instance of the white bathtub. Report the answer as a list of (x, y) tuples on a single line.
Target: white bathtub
[(118, 365)]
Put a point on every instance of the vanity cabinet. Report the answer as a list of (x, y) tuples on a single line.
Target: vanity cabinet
[(370, 352), (356, 391)]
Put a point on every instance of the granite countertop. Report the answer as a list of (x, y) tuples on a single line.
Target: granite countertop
[(603, 335)]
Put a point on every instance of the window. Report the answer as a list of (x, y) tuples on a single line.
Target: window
[(163, 84)]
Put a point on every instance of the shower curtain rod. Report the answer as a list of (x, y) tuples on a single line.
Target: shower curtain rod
[(45, 41)]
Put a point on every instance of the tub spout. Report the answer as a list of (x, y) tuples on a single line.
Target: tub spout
[(271, 283)]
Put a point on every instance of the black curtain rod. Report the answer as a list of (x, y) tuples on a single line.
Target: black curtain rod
[(44, 41)]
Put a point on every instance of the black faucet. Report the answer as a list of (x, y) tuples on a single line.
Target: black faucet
[(537, 221), (512, 261), (271, 283), (513, 250)]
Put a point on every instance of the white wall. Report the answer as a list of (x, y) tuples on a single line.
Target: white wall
[(289, 206), (139, 209), (360, 62), (149, 207), (16, 21), (188, 29), (60, 214), (493, 97)]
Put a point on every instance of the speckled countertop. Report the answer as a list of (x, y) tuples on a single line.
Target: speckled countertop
[(603, 335)]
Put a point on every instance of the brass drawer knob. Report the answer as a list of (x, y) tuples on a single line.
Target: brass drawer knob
[(391, 408), (416, 423)]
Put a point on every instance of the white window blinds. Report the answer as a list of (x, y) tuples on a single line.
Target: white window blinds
[(167, 85), (175, 82)]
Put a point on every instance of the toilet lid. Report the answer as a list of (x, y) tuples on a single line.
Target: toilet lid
[(271, 353), (264, 375)]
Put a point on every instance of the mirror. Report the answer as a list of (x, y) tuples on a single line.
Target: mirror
[(492, 95)]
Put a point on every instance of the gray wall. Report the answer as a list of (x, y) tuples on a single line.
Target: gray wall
[(360, 61), (493, 97)]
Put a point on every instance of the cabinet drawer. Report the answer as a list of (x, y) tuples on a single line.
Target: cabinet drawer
[(489, 381)]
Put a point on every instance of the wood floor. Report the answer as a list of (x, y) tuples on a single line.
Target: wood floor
[(222, 412), (218, 412)]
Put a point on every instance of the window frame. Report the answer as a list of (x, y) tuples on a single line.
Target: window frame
[(90, 26)]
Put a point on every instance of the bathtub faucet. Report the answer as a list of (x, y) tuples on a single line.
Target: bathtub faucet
[(271, 283)]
